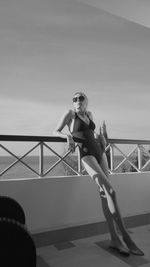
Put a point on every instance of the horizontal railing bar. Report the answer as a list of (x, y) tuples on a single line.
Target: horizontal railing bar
[(128, 141), (35, 138)]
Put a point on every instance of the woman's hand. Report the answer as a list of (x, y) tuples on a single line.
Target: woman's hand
[(96, 135), (101, 139), (71, 143)]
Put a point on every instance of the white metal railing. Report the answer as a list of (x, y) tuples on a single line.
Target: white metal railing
[(137, 158), (41, 143)]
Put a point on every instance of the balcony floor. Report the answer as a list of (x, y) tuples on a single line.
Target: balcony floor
[(94, 252)]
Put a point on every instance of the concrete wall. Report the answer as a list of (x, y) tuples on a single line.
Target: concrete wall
[(60, 202)]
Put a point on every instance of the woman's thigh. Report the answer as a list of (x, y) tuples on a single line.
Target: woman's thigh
[(91, 165), (95, 171), (104, 165)]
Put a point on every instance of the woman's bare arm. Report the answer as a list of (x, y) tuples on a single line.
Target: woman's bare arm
[(65, 120), (90, 115)]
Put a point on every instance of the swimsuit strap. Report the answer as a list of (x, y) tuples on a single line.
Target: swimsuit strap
[(91, 124), (76, 116)]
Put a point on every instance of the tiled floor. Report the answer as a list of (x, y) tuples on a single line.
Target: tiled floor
[(94, 252)]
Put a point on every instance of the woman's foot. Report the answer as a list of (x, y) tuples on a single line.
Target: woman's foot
[(133, 247), (119, 247)]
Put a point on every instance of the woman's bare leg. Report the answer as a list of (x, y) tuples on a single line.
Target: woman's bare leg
[(115, 240), (111, 223), (98, 175)]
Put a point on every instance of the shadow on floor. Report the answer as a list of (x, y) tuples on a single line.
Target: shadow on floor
[(41, 262)]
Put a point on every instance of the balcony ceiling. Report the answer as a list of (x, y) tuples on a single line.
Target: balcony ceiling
[(137, 11)]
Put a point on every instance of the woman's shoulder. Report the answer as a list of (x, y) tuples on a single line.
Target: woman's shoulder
[(89, 113), (68, 115)]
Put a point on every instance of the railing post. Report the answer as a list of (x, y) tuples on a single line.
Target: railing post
[(111, 157), (139, 156), (79, 161), (41, 161)]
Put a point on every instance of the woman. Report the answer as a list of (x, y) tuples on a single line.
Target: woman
[(81, 125)]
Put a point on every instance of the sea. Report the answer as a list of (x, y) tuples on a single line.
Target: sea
[(19, 170)]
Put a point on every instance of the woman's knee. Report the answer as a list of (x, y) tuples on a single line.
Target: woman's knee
[(97, 179), (102, 181), (112, 192), (95, 176), (108, 191)]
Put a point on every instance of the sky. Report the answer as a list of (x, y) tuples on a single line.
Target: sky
[(50, 49)]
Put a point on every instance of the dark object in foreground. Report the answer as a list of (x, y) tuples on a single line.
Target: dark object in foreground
[(10, 208), (16, 245)]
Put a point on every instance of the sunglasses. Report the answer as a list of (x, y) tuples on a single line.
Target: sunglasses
[(79, 98)]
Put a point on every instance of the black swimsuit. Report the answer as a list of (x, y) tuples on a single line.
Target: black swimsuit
[(85, 131)]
